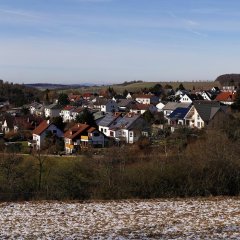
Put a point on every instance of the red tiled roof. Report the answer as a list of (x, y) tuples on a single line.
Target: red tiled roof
[(87, 95), (41, 127), (226, 96), (73, 97), (78, 110), (140, 106), (144, 96), (91, 129), (68, 108), (76, 130)]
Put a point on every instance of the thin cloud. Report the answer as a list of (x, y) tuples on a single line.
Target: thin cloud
[(17, 12)]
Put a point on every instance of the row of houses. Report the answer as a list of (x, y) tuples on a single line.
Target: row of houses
[(121, 119), (128, 128)]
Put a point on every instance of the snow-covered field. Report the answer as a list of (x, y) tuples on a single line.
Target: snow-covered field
[(215, 218)]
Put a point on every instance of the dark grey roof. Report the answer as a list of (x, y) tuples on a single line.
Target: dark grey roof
[(207, 110), (174, 105), (54, 106), (125, 102), (108, 119), (126, 122)]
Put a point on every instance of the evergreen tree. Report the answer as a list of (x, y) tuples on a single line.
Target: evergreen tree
[(63, 99), (86, 117)]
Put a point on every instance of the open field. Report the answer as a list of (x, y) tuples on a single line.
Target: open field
[(214, 218), (134, 87)]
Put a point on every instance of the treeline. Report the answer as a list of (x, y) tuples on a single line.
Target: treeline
[(207, 166), (18, 94)]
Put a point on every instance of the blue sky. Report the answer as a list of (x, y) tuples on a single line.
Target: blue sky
[(108, 41)]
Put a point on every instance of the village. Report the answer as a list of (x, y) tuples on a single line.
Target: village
[(73, 123)]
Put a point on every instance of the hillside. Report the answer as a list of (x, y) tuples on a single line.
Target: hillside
[(137, 86), (52, 86), (228, 79), (17, 94)]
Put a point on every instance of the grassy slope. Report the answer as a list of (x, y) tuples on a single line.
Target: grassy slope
[(134, 87)]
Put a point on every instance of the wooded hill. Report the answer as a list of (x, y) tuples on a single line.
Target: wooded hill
[(18, 94), (229, 79)]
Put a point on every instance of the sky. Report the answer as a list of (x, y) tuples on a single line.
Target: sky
[(112, 41)]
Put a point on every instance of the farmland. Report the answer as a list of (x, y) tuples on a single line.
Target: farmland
[(201, 218), (137, 86)]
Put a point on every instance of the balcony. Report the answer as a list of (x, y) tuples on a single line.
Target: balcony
[(85, 138)]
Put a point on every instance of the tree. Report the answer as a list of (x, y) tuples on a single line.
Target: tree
[(47, 96), (236, 104), (86, 117), (58, 122), (157, 89), (148, 116), (63, 99), (181, 87), (125, 92), (25, 111)]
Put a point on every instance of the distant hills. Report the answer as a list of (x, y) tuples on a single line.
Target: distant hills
[(229, 79), (52, 86)]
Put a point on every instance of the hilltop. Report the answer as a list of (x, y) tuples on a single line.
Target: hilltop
[(229, 79)]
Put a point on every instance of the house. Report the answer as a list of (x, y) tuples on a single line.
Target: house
[(76, 112), (87, 96), (74, 97), (226, 97), (109, 106), (26, 122), (171, 106), (129, 96), (160, 106), (7, 123), (142, 108), (202, 113), (52, 110), (118, 97), (189, 98), (83, 136), (206, 95), (105, 105), (107, 121), (124, 104), (129, 128), (39, 133), (147, 98), (229, 88), (36, 109), (177, 117), (66, 113), (16, 123), (180, 93), (215, 90)]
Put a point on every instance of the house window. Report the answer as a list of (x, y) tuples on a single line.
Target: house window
[(198, 117), (111, 133), (96, 134), (131, 134), (54, 131), (105, 130), (101, 129)]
